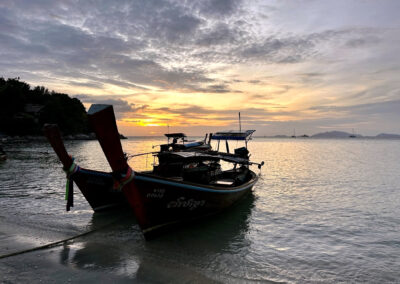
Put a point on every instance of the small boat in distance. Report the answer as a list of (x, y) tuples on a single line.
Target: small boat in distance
[(352, 135)]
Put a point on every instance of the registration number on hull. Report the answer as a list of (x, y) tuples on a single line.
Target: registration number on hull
[(157, 193), (182, 202)]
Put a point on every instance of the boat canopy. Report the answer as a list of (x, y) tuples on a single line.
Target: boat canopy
[(196, 156), (175, 135), (233, 135), (193, 144)]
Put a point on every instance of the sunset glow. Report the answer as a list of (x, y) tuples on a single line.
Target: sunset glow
[(193, 66)]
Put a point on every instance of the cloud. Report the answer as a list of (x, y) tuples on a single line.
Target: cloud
[(362, 41), (287, 48), (85, 48), (220, 34), (252, 52), (384, 108), (218, 8), (122, 107), (197, 115), (255, 82), (142, 43)]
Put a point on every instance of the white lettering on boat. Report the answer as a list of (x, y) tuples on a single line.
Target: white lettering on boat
[(182, 202), (157, 193)]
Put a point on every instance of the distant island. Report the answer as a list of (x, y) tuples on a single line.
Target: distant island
[(387, 136), (340, 135), (335, 134)]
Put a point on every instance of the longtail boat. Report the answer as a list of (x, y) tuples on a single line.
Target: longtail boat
[(178, 143), (183, 187)]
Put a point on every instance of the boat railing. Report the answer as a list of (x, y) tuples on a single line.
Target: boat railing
[(154, 154)]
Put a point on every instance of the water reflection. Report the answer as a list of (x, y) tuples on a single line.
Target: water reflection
[(120, 248)]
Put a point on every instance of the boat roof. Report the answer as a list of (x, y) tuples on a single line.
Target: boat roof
[(199, 156), (175, 135), (233, 135)]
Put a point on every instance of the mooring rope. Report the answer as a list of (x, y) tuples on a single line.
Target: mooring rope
[(69, 187), (50, 245), (124, 179)]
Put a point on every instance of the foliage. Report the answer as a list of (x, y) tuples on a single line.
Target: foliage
[(16, 97)]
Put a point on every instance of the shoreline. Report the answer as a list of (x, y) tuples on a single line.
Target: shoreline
[(87, 137), (40, 138)]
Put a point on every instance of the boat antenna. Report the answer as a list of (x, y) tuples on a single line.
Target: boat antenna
[(240, 124)]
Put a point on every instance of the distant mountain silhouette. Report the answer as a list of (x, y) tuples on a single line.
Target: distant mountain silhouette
[(333, 134), (342, 134), (388, 136)]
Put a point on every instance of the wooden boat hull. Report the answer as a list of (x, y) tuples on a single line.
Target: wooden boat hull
[(159, 203), (97, 188)]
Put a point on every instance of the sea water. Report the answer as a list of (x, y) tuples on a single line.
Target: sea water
[(322, 211)]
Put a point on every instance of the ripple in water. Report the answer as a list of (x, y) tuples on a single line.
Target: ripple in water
[(323, 210)]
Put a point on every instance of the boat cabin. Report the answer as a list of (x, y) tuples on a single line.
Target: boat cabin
[(189, 164), (178, 143), (201, 168)]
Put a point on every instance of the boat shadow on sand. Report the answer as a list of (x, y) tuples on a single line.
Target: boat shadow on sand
[(121, 248)]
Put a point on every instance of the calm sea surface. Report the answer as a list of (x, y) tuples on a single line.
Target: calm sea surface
[(322, 211)]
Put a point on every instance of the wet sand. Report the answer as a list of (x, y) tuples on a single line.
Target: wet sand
[(109, 254)]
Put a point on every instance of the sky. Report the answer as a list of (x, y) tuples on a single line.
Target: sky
[(190, 66)]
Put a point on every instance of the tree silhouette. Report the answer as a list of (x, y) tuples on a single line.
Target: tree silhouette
[(24, 110)]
